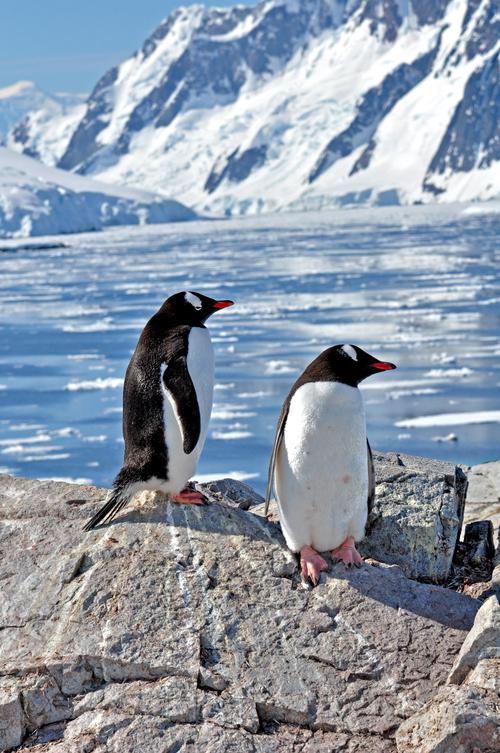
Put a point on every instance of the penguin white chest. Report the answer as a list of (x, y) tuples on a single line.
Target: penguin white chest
[(322, 467), (200, 366)]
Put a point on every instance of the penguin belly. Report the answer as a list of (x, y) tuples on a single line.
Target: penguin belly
[(322, 468), (200, 365)]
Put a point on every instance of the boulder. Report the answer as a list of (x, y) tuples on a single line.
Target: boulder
[(179, 628), (482, 642), (483, 495), (417, 515)]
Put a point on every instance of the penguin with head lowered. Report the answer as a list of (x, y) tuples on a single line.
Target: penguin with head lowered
[(321, 462), (167, 401)]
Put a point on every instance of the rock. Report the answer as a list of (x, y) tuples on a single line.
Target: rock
[(464, 718), (12, 722), (456, 720), (478, 540), (486, 674), (417, 515), (483, 495), (232, 492), (185, 628), (477, 554), (482, 642), (474, 560)]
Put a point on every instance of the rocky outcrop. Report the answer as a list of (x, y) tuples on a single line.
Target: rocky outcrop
[(417, 515), (465, 714), (187, 629)]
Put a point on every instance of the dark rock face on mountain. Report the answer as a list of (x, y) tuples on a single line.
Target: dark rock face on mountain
[(473, 137)]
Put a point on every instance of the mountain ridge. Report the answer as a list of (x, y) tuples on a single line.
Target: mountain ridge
[(302, 104)]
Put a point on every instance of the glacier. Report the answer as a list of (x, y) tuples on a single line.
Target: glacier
[(40, 200)]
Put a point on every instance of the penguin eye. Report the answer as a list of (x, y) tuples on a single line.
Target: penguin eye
[(193, 300)]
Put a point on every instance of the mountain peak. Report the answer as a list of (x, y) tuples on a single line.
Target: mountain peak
[(301, 103)]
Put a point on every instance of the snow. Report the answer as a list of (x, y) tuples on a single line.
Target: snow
[(36, 199), (411, 285), (48, 120), (294, 111)]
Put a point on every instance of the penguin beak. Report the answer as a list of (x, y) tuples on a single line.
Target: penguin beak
[(222, 304), (382, 366)]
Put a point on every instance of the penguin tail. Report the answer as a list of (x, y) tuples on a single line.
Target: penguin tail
[(116, 501)]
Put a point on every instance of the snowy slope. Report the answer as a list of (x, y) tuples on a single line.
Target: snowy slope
[(40, 200), (38, 123), (303, 103)]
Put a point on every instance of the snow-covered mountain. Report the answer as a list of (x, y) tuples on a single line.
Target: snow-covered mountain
[(303, 103), (37, 123), (40, 200)]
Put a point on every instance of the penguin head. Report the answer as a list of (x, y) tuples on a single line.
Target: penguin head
[(194, 308), (352, 364)]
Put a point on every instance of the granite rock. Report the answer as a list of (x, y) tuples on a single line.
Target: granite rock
[(457, 720), (482, 642), (417, 515), (187, 629)]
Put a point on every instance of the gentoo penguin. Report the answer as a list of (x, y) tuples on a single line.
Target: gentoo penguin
[(321, 461), (167, 401)]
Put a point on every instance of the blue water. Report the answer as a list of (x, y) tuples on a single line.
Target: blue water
[(416, 286)]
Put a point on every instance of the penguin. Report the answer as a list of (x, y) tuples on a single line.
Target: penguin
[(167, 402), (321, 463)]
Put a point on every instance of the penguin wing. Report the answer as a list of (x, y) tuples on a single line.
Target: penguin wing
[(371, 478), (178, 383), (274, 454)]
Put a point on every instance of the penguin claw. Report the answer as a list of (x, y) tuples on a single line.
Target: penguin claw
[(311, 565), (347, 553)]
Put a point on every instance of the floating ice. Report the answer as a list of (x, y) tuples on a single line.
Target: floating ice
[(452, 419), (231, 434), (110, 383)]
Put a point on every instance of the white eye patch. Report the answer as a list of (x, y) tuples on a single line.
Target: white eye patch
[(193, 300), (349, 351)]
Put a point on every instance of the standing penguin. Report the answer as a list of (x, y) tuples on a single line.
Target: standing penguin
[(322, 462), (167, 401)]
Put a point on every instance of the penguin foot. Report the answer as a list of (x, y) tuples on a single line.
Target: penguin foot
[(188, 497), (347, 553), (311, 564)]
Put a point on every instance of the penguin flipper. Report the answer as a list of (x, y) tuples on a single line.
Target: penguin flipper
[(371, 478), (274, 455), (109, 510), (179, 385)]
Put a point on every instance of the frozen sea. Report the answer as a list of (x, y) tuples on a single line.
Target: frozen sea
[(417, 286)]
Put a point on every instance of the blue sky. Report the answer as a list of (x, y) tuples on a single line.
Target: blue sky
[(66, 46)]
